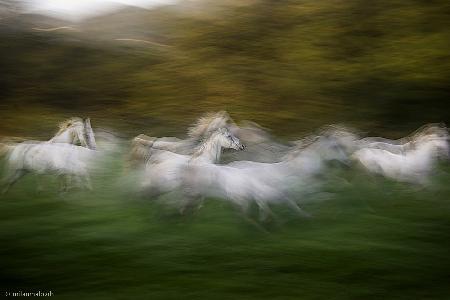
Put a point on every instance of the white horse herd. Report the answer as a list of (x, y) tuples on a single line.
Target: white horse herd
[(263, 172)]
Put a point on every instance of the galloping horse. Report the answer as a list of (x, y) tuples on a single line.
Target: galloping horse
[(413, 164), (57, 156), (404, 144), (142, 145), (244, 182), (163, 170)]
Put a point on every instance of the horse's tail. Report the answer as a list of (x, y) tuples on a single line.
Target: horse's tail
[(5, 149), (143, 139), (8, 143), (140, 150)]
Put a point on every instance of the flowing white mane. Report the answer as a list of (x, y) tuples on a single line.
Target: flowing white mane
[(206, 144), (208, 124), (428, 129)]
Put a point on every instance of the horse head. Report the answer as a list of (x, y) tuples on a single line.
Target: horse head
[(211, 148), (439, 144), (71, 131), (228, 140), (332, 148)]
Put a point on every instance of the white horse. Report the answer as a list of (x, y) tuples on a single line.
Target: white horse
[(405, 144), (53, 156), (142, 145), (162, 173), (412, 165), (244, 182)]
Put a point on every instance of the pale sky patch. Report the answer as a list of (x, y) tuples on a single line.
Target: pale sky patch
[(77, 10)]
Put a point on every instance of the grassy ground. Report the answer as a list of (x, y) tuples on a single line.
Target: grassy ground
[(372, 239)]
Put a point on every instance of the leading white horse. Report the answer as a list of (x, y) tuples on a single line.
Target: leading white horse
[(244, 182), (163, 170)]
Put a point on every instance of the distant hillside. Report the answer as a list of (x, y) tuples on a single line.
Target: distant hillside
[(292, 66)]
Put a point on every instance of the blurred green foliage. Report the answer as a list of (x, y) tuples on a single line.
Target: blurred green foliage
[(383, 66)]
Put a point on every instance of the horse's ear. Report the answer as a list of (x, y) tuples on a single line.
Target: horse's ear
[(90, 134), (87, 122), (224, 114)]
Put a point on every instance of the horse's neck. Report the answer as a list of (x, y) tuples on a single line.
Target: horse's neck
[(309, 159), (210, 151), (315, 155), (64, 137), (423, 153)]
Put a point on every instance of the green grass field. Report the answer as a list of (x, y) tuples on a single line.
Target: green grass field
[(371, 239)]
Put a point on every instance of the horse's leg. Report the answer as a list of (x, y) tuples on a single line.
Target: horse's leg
[(183, 208), (70, 179), (264, 210), (189, 203), (65, 181), (78, 182), (12, 179), (87, 181), (40, 187), (190, 199), (296, 208), (200, 202), (243, 207)]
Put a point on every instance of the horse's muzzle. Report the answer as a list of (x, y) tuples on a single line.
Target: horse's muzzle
[(242, 147)]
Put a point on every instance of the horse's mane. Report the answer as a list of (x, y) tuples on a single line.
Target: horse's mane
[(68, 123), (201, 128), (253, 126), (201, 146), (301, 145), (432, 128), (338, 130), (328, 131), (251, 132)]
